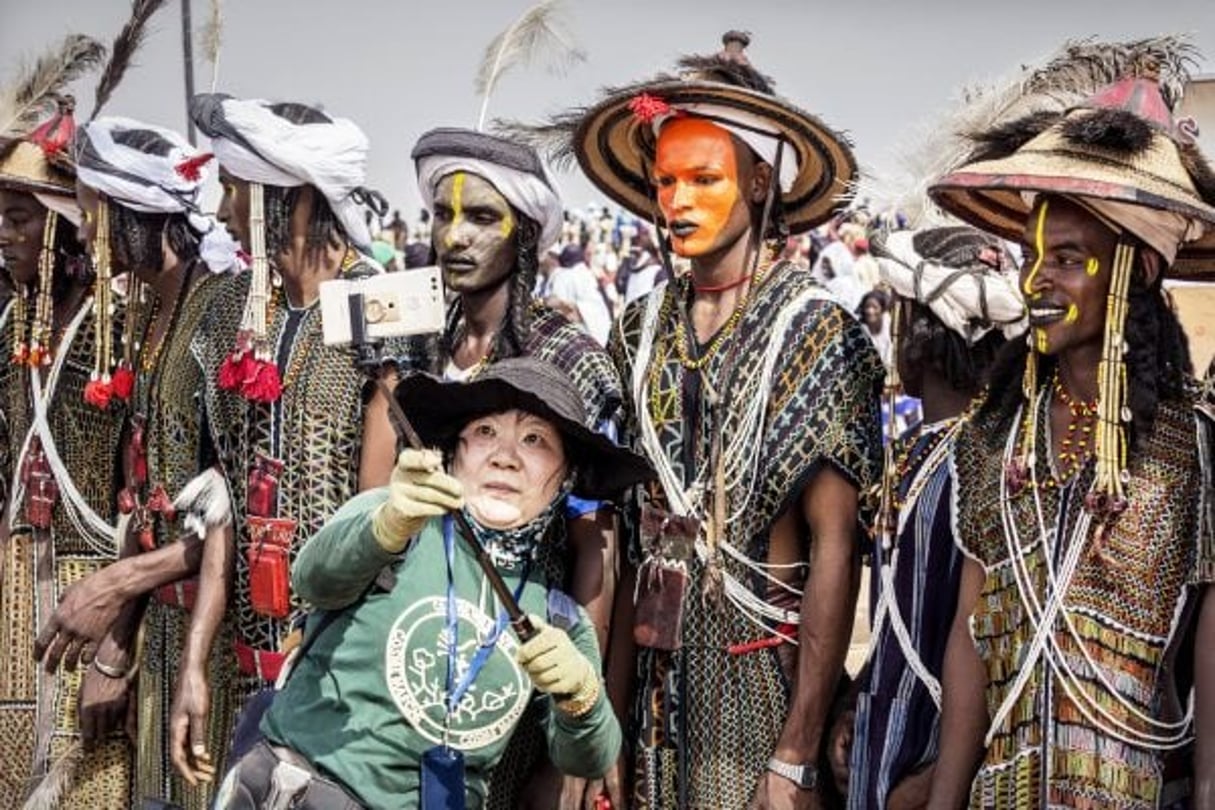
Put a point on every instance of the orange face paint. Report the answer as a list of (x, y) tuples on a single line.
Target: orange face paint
[(696, 174)]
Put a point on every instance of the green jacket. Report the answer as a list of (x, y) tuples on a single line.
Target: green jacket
[(368, 699)]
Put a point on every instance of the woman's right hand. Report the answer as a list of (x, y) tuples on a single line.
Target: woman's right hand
[(188, 726), (418, 491)]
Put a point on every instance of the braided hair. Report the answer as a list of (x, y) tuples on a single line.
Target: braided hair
[(138, 237), (324, 229), (72, 266), (928, 342)]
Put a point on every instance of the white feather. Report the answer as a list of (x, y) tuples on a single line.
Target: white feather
[(204, 503), (54, 787), (539, 33)]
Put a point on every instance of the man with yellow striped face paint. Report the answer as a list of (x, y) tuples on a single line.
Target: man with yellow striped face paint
[(1065, 277), (1083, 479)]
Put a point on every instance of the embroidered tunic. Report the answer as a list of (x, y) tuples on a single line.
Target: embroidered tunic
[(38, 721), (799, 382), (897, 730), (309, 440), (168, 396), (1129, 604)]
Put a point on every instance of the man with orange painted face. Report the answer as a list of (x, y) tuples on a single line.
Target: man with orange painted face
[(1084, 495), (755, 395)]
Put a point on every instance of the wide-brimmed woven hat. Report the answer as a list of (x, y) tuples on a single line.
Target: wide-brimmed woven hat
[(1122, 145), (438, 411), (615, 146)]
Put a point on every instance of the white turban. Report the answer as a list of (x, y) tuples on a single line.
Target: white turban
[(535, 197), (267, 148), (152, 183), (970, 300), (755, 131)]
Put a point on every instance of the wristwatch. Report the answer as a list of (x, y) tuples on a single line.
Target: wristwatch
[(804, 776)]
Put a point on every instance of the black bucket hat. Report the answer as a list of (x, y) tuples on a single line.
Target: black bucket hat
[(439, 410)]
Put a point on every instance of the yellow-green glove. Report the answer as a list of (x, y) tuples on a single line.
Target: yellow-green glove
[(418, 490), (556, 667)]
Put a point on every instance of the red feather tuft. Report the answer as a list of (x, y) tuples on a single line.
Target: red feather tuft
[(646, 107), (191, 168), (236, 370), (98, 393), (265, 385), (56, 134)]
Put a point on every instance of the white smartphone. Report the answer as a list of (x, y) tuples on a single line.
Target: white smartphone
[(409, 302)]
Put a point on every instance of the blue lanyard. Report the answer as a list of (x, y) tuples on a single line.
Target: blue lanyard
[(455, 691)]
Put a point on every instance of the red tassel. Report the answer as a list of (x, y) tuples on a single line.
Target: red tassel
[(21, 355), (191, 168), (237, 370), (646, 107), (123, 382), (98, 393), (265, 385)]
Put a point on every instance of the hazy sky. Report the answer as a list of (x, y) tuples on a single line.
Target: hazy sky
[(399, 67)]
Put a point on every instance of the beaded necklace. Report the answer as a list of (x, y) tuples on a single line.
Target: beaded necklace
[(1075, 447), (681, 337)]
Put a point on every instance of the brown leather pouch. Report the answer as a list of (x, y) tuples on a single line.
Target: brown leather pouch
[(662, 580)]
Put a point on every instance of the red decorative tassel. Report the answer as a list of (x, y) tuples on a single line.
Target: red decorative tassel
[(191, 168), (123, 382), (265, 385), (237, 369), (98, 393), (646, 107), (160, 502)]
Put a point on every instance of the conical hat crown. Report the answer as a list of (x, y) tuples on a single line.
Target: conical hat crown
[(1121, 144)]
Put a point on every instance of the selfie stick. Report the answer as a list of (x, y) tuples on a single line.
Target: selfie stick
[(367, 357)]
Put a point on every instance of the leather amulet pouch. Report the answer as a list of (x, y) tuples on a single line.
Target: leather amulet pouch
[(269, 557), (669, 542)]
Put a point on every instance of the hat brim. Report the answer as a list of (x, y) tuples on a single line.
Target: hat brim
[(613, 147), (989, 194), (438, 410)]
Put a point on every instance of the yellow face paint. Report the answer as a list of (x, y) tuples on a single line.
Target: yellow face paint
[(457, 205), (1027, 286), (1092, 266), (1073, 314), (508, 225), (1042, 345)]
